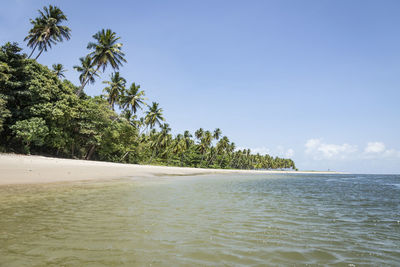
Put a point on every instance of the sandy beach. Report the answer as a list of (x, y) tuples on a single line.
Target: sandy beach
[(22, 169)]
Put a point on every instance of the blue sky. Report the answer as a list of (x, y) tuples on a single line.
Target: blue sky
[(314, 80)]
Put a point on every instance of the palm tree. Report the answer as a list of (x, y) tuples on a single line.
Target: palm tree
[(199, 134), (87, 72), (59, 70), (179, 147), (205, 143), (154, 115), (217, 133), (106, 51), (47, 30), (163, 138), (133, 98), (115, 89), (188, 141), (222, 146)]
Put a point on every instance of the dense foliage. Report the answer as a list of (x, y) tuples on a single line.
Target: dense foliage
[(42, 113)]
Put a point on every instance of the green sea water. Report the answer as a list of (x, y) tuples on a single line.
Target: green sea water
[(225, 220)]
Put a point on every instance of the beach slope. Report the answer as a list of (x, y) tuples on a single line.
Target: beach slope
[(22, 169)]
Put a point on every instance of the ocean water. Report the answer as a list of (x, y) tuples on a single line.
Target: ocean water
[(225, 220)]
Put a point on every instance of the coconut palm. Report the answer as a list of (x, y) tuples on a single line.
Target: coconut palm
[(187, 138), (205, 143), (217, 133), (163, 137), (199, 134), (59, 70), (154, 116), (115, 89), (133, 98), (87, 72), (106, 50), (47, 30), (222, 147)]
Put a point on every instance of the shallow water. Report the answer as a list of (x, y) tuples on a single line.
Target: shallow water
[(241, 220)]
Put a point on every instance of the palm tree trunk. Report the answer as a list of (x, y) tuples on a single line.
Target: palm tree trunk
[(124, 156), (41, 51), (34, 48), (90, 152), (222, 158), (152, 155)]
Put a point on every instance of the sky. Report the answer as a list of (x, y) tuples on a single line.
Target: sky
[(317, 81)]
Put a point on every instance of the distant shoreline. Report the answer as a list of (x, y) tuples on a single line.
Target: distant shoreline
[(23, 169)]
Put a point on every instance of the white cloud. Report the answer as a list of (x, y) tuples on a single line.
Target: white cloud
[(289, 153), (375, 147), (378, 149), (320, 150), (261, 150)]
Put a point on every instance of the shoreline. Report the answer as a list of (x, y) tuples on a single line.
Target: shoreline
[(24, 169)]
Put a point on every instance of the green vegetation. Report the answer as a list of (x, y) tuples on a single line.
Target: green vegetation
[(42, 113)]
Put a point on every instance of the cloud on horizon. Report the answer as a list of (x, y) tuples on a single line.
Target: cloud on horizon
[(319, 150)]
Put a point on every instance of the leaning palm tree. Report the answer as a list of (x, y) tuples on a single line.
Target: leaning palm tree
[(87, 72), (106, 50), (154, 115), (47, 30), (115, 89), (133, 98), (59, 70)]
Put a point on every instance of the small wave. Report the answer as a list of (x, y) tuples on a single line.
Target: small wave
[(395, 185)]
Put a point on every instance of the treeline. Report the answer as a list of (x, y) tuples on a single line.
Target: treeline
[(43, 113)]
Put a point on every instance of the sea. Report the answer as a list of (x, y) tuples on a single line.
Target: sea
[(209, 220)]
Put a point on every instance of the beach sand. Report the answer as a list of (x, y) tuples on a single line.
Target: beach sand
[(22, 169)]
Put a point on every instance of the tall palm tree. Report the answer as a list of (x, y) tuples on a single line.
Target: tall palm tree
[(133, 98), (199, 134), (205, 143), (115, 89), (47, 30), (59, 70), (217, 133), (163, 137), (187, 137), (179, 147), (106, 50), (222, 147), (87, 72), (154, 115)]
